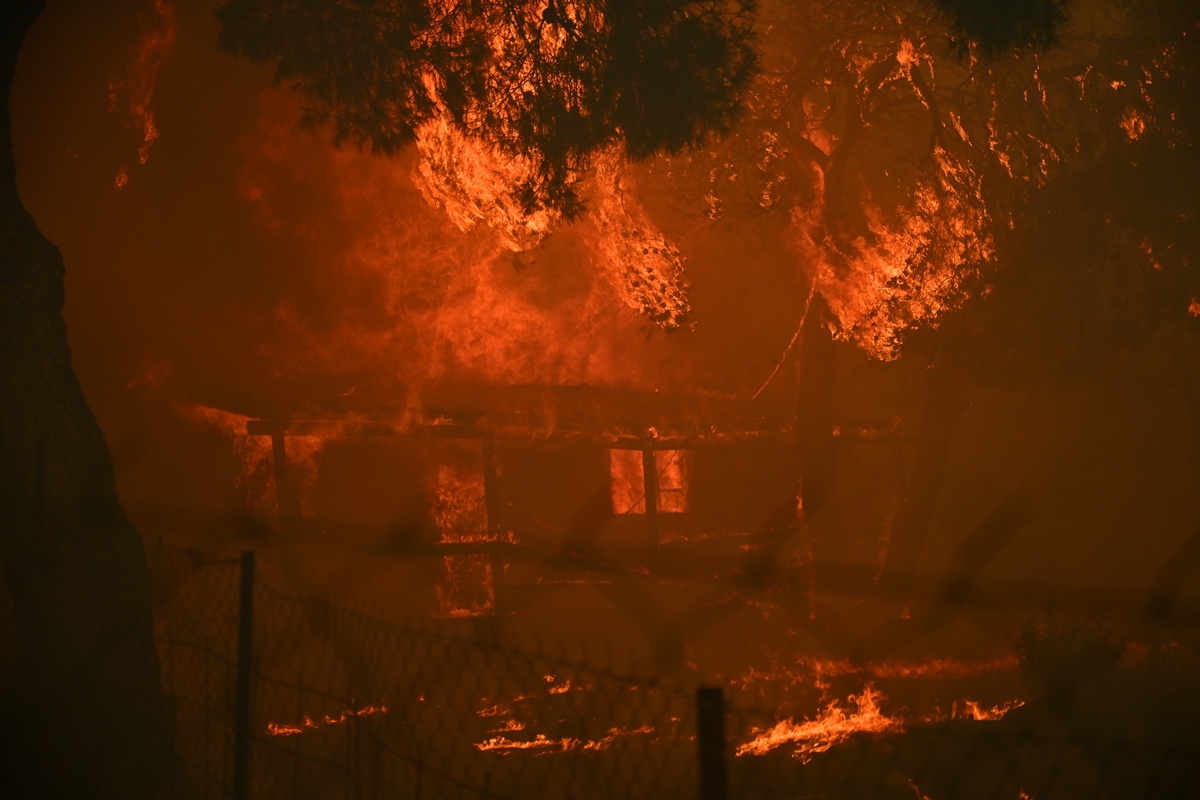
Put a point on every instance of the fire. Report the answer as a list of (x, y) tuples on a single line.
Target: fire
[(916, 265), (256, 479), (308, 724), (474, 183), (818, 670), (643, 266), (406, 295), (1133, 123), (628, 487), (972, 710), (833, 726), (543, 745), (460, 513), (137, 85)]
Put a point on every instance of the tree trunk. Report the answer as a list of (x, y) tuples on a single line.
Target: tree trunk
[(818, 462), (84, 715), (945, 402)]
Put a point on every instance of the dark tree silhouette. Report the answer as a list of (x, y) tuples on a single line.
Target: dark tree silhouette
[(83, 716), (553, 83), (994, 26)]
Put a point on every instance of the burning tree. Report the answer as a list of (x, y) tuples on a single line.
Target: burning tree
[(545, 84), (1002, 196)]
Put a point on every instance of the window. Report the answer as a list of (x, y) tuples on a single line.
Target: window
[(629, 484)]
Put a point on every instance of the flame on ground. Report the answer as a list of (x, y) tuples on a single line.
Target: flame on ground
[(543, 745), (969, 709), (308, 724), (834, 725)]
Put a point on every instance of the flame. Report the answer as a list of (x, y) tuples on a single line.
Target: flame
[(1133, 123), (406, 295), (1194, 307), (137, 85), (308, 724), (460, 513), (628, 487), (543, 745), (818, 670), (972, 710), (474, 183), (915, 266), (834, 725), (256, 479), (643, 266)]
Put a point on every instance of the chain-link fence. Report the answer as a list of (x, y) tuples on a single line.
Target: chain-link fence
[(281, 697)]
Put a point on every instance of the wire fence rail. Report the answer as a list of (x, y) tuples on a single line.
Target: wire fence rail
[(279, 697)]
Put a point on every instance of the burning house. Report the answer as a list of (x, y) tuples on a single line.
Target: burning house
[(528, 486)]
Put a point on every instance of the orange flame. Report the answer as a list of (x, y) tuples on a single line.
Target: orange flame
[(972, 710), (834, 725), (543, 745), (308, 724), (138, 84), (914, 269), (256, 480)]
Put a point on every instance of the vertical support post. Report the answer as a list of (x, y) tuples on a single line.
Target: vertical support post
[(491, 498), (650, 476), (39, 488), (241, 702), (287, 500), (710, 741)]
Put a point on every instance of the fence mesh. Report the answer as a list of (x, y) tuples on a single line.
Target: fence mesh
[(347, 706)]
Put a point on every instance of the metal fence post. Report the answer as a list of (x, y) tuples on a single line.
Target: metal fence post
[(241, 702), (710, 741)]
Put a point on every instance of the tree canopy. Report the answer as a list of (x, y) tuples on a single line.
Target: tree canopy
[(550, 84)]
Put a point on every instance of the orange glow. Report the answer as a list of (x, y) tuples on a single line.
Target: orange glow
[(628, 486), (256, 480), (543, 745), (475, 185), (138, 84), (1133, 123), (969, 709), (308, 724), (818, 670), (915, 268), (1194, 307), (643, 266), (832, 726), (627, 481), (440, 303), (460, 513)]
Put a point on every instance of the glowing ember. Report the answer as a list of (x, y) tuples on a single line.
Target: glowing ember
[(308, 724), (834, 725)]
